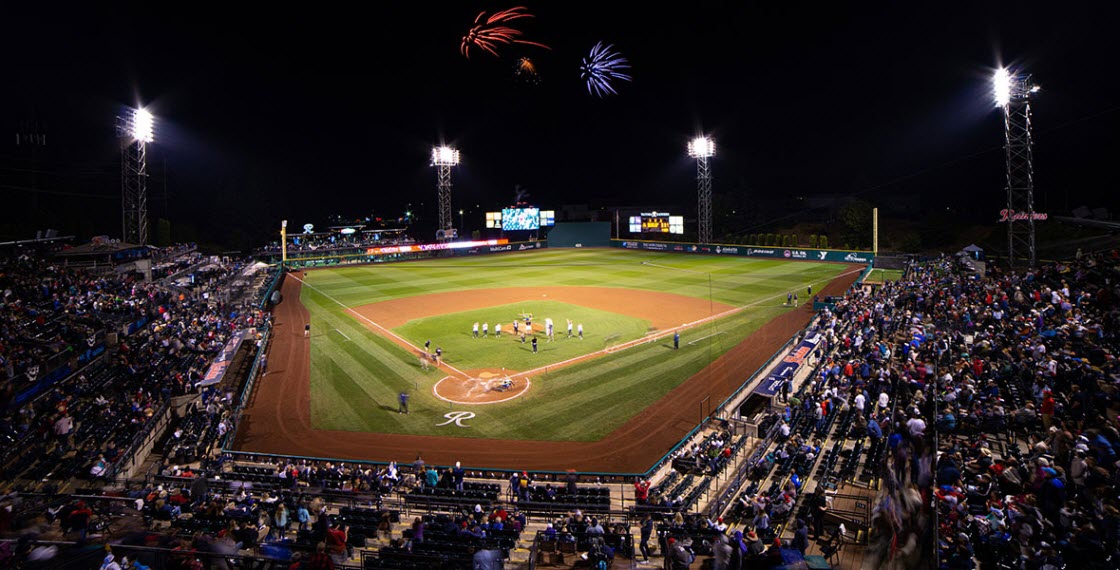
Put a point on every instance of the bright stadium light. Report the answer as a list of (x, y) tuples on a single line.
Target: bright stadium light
[(1001, 87), (701, 147), (142, 127), (445, 156)]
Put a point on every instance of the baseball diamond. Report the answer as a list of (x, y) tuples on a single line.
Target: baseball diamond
[(613, 401)]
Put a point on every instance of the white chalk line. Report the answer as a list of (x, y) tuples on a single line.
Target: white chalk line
[(705, 336), (368, 320), (343, 334)]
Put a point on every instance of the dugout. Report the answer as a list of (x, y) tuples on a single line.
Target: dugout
[(580, 234)]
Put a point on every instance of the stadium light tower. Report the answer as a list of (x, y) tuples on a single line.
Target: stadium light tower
[(1012, 93), (135, 129), (443, 158), (701, 148)]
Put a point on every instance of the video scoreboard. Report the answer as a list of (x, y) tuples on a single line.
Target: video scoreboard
[(656, 223), (512, 219)]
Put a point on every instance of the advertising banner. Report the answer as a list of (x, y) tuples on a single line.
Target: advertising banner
[(218, 369), (803, 254), (788, 366)]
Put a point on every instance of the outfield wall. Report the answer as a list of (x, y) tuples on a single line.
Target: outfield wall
[(580, 234), (773, 252), (367, 255)]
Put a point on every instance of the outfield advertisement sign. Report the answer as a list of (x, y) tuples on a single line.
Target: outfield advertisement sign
[(414, 248), (788, 366), (749, 251), (503, 248)]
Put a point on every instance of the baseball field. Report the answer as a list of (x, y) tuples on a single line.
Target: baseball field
[(375, 329)]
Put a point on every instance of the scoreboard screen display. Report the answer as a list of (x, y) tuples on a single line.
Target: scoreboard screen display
[(521, 219), (656, 223)]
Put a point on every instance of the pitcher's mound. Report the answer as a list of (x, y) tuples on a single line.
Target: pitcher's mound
[(485, 386)]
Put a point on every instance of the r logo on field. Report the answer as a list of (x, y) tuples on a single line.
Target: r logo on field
[(456, 417)]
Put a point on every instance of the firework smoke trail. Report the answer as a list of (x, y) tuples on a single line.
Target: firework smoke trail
[(488, 35), (602, 66)]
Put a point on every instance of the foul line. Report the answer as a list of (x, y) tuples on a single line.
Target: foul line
[(662, 334), (704, 337), (385, 330), (343, 334)]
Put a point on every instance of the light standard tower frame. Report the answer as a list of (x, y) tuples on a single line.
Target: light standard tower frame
[(1012, 93), (701, 148), (136, 130), (443, 158)]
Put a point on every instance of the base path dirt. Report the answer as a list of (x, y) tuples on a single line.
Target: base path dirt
[(277, 418)]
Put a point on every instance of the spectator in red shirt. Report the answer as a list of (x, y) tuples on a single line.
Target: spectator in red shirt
[(336, 542), (1047, 409), (320, 560), (641, 491)]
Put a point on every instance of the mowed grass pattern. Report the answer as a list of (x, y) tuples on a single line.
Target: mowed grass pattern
[(356, 374)]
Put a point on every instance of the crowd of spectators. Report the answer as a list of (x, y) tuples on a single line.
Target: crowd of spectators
[(84, 425), (333, 241)]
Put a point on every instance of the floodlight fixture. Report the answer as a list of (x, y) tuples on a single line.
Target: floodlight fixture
[(1001, 87), (141, 125), (701, 147), (1008, 87), (445, 156)]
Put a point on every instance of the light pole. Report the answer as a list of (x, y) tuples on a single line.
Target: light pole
[(461, 228), (136, 130), (1012, 93), (443, 158), (701, 148)]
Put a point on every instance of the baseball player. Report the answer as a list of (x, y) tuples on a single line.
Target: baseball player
[(485, 329), (569, 328), (474, 329), (579, 329), (497, 329)]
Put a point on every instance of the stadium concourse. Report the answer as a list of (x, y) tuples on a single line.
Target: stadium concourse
[(947, 419)]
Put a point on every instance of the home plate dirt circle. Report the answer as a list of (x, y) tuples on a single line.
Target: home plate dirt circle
[(485, 386)]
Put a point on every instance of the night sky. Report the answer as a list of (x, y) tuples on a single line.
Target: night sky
[(278, 112)]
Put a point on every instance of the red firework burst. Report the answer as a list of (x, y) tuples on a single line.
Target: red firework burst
[(489, 33)]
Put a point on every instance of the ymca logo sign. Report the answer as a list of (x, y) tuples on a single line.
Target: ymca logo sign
[(457, 418), (822, 254)]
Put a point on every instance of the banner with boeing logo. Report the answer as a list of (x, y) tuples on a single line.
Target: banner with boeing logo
[(788, 366), (750, 251)]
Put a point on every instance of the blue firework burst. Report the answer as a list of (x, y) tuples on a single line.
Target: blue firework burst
[(601, 67)]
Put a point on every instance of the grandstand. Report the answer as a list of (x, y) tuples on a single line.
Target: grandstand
[(941, 419)]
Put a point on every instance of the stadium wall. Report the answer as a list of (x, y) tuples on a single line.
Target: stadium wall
[(800, 254), (368, 255), (580, 234)]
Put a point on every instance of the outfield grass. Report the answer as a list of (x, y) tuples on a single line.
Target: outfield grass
[(461, 350), (357, 374)]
